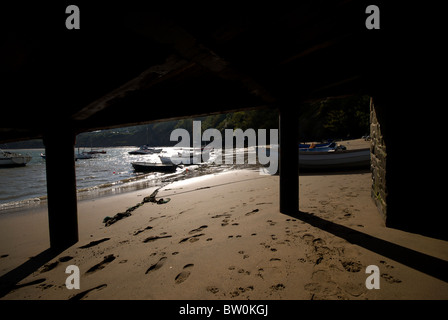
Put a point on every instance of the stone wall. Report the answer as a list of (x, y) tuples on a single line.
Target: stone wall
[(378, 161)]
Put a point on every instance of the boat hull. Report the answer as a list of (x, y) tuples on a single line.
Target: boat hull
[(15, 161), (145, 151), (307, 147), (83, 156), (186, 160), (339, 159), (153, 167)]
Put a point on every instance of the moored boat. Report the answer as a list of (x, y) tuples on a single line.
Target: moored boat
[(335, 159), (153, 167), (12, 159), (183, 157), (306, 146), (83, 155), (95, 151), (145, 149), (321, 147)]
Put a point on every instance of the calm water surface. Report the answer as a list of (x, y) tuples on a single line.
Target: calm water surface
[(104, 174)]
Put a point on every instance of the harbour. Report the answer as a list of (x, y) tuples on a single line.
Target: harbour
[(103, 174)]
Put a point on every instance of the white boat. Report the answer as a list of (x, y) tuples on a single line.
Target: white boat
[(145, 149), (335, 159), (12, 159), (165, 159), (182, 157)]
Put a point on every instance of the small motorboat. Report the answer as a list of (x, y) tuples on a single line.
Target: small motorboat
[(12, 159), (153, 167), (183, 157), (145, 149)]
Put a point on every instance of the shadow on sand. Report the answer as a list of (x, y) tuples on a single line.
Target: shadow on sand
[(422, 262), (10, 280)]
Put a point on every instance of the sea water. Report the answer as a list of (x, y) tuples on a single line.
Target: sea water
[(104, 174)]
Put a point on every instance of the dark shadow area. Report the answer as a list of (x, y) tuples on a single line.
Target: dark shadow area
[(10, 280), (422, 262), (332, 172), (415, 224)]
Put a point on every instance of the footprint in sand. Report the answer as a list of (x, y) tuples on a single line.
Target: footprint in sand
[(352, 266), (93, 243), (227, 215), (141, 230), (278, 287), (154, 238), (386, 264), (192, 238), (181, 277), (212, 289), (198, 229), (240, 290), (106, 260), (157, 265), (390, 278), (49, 266), (319, 242), (308, 237), (65, 258), (83, 294), (252, 212)]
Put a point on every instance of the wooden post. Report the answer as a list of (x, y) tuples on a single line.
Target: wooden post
[(289, 161), (61, 188)]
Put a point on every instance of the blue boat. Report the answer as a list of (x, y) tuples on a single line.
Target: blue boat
[(320, 147)]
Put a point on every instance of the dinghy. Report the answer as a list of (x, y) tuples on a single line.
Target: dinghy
[(153, 167)]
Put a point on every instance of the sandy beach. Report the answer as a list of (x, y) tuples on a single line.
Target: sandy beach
[(221, 236)]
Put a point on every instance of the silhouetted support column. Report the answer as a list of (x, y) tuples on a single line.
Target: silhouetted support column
[(289, 161), (61, 188)]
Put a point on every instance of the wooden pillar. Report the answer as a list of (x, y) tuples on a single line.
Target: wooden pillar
[(289, 161), (61, 188)]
